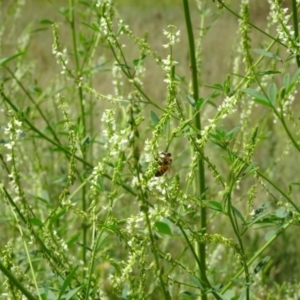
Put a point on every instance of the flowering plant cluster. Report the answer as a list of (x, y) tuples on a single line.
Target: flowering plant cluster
[(150, 165)]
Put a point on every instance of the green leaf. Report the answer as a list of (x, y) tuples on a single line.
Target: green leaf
[(46, 22), (238, 214), (259, 218), (58, 215), (73, 239), (296, 75), (239, 280), (227, 158), (154, 117), (73, 292), (137, 62), (261, 264), (229, 294), (267, 54), (94, 26), (294, 80), (197, 282), (269, 72), (230, 134), (67, 282), (223, 297), (85, 247), (217, 287), (270, 234), (214, 205), (286, 80), (86, 3), (163, 227), (5, 60), (191, 100), (281, 213), (120, 29), (111, 227), (43, 200), (218, 136), (186, 295), (216, 86), (101, 241), (39, 29), (86, 141), (123, 66), (166, 127), (281, 93), (46, 294), (64, 10), (290, 57), (250, 170), (255, 94), (201, 101), (272, 93), (36, 222), (258, 97)]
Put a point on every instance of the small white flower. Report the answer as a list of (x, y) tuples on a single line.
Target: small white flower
[(16, 199), (10, 145), (135, 182), (17, 123)]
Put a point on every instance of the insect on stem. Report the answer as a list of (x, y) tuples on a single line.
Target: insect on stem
[(164, 161)]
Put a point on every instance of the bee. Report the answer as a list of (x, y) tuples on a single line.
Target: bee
[(164, 161)]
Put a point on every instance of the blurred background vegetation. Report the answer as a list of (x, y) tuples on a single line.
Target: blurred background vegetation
[(143, 17)]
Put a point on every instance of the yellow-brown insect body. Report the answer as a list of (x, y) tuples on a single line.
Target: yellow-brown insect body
[(164, 161)]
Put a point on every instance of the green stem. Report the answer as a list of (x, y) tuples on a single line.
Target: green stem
[(83, 120), (256, 255), (15, 282), (60, 147), (93, 259), (34, 103), (159, 269), (281, 118), (234, 224), (280, 115), (206, 283), (296, 30), (200, 176), (279, 190), (260, 174), (27, 253)]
